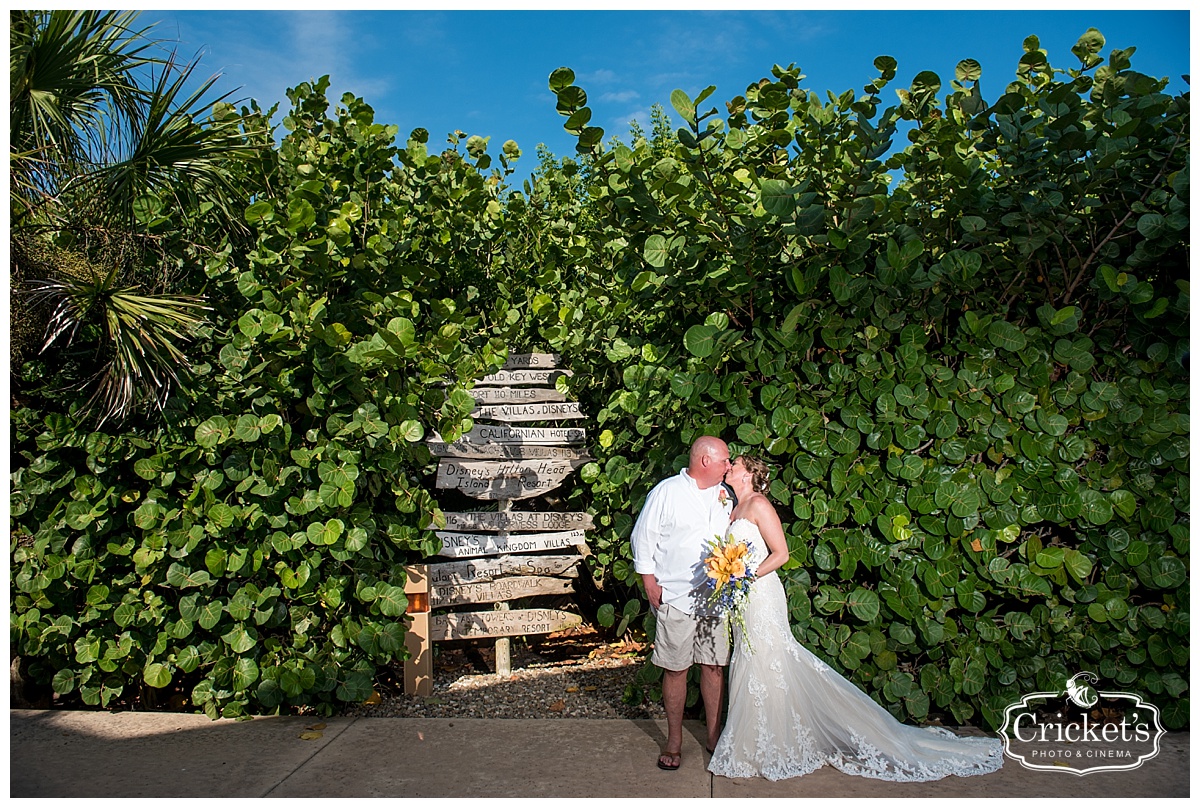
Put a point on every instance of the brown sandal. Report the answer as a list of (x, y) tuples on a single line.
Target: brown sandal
[(667, 755)]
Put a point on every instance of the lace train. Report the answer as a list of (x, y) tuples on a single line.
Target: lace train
[(791, 714)]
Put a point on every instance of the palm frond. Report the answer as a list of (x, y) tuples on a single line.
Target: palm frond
[(102, 127), (175, 151), (73, 78), (99, 116), (141, 336)]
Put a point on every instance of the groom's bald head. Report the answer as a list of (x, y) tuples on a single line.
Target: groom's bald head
[(708, 461)]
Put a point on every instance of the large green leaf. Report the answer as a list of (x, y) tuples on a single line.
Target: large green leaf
[(301, 215), (683, 105), (410, 430), (156, 674), (1007, 336), (562, 78), (240, 639), (655, 251), (245, 673), (863, 604), (778, 198), (181, 577), (968, 70), (213, 431), (751, 434), (700, 340), (392, 601)]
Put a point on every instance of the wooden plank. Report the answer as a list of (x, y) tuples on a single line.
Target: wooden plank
[(524, 521), (504, 479), (468, 545), (502, 488), (539, 411), (482, 434), (520, 376), (515, 395), (498, 590), (532, 360), (472, 625), (481, 570), (516, 451)]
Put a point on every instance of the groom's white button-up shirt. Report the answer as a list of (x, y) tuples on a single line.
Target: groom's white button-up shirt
[(670, 538)]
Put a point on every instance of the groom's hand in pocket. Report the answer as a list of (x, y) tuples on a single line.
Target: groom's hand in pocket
[(653, 591)]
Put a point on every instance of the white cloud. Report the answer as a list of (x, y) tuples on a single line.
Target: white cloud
[(620, 123), (601, 76), (307, 45), (322, 42), (622, 97)]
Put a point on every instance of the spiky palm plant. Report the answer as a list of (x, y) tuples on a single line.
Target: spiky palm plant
[(73, 85), (104, 134), (138, 345)]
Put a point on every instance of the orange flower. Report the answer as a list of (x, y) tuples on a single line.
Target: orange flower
[(728, 561)]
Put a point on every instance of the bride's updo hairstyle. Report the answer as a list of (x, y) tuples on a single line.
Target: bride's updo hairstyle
[(760, 473)]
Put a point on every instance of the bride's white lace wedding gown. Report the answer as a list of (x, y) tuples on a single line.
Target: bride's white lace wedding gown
[(790, 713)]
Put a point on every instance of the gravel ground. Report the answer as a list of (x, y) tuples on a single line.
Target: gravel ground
[(570, 674)]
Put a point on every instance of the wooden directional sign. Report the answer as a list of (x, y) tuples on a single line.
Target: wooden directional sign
[(515, 395), (504, 479), (496, 591), (539, 411), (491, 451), (483, 434), (502, 462), (523, 376), (532, 360), (467, 545), (471, 625), (527, 521), (481, 570)]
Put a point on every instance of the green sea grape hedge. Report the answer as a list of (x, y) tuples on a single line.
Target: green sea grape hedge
[(973, 387), (965, 359), (249, 547)]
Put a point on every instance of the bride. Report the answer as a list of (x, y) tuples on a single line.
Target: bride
[(789, 712)]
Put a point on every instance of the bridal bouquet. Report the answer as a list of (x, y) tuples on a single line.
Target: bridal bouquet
[(730, 576)]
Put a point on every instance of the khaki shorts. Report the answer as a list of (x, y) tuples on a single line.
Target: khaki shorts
[(681, 639)]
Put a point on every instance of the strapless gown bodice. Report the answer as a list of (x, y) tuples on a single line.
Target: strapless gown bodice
[(747, 531)]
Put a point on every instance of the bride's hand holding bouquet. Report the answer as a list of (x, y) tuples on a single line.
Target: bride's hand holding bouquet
[(730, 575)]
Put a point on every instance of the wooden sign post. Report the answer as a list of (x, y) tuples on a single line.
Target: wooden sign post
[(486, 570), (503, 646), (504, 549), (418, 668)]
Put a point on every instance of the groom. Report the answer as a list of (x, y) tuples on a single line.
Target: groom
[(681, 515)]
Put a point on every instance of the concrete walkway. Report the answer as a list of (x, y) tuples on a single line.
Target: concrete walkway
[(97, 754)]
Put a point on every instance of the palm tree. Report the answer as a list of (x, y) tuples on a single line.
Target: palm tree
[(113, 162)]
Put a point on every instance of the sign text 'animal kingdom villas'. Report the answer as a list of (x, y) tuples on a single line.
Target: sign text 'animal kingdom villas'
[(496, 556)]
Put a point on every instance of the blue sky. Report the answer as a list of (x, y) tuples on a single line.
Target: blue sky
[(485, 72)]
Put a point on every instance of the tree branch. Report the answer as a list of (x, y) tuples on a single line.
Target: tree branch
[(1116, 228)]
